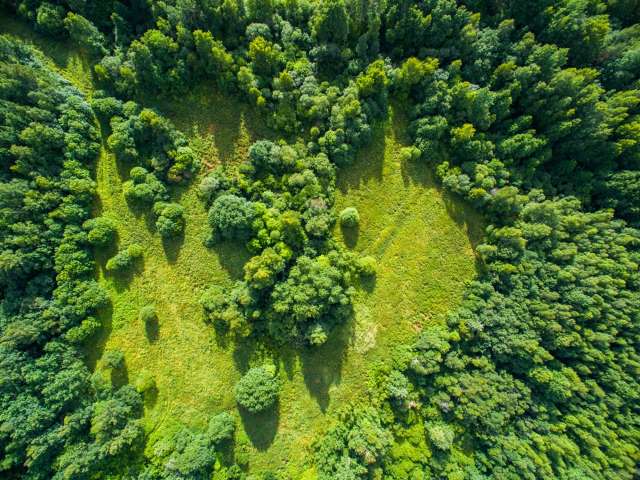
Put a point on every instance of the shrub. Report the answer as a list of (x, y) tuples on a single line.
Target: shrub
[(409, 154), (147, 314), (170, 220), (257, 390), (113, 359), (367, 266), (221, 428), (101, 231), (124, 259), (231, 217), (145, 382), (349, 217)]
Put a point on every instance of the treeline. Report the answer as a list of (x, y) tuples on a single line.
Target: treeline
[(299, 285), (57, 419)]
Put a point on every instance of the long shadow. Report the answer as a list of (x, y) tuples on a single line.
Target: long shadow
[(122, 280), (368, 163), (120, 376), (232, 257), (465, 216), (151, 397), (152, 329), (172, 247), (322, 366), (350, 236), (261, 428), (95, 345)]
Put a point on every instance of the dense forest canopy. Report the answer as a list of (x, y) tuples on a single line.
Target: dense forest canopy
[(529, 111)]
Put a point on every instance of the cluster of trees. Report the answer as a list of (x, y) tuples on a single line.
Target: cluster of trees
[(57, 420), (299, 283), (158, 156)]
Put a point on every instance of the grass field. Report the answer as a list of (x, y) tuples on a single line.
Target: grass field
[(422, 240)]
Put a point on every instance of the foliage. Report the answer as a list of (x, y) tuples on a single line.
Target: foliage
[(101, 231), (125, 259), (257, 390), (57, 423), (349, 217)]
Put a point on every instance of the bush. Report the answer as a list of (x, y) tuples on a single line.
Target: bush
[(147, 314), (231, 217), (367, 266), (349, 217), (221, 428), (124, 259), (257, 390), (145, 382), (409, 154), (113, 359), (170, 221), (101, 231)]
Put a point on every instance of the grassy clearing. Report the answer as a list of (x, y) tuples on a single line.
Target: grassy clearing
[(419, 236)]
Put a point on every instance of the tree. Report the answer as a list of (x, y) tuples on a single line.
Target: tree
[(257, 390), (231, 216), (125, 259), (85, 33), (169, 219), (101, 231), (349, 217)]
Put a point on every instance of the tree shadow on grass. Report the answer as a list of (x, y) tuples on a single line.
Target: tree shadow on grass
[(350, 236), (368, 163), (261, 428), (322, 366), (120, 376), (465, 216), (232, 257), (95, 345), (150, 397), (152, 329), (122, 279), (172, 247)]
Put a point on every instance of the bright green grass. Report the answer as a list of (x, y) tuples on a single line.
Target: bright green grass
[(419, 237)]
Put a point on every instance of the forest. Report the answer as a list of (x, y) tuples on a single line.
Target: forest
[(319, 239)]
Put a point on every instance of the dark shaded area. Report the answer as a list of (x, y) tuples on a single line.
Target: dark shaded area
[(261, 427), (172, 247), (151, 396), (95, 345), (350, 235), (120, 375), (368, 163), (322, 366), (152, 329), (232, 257)]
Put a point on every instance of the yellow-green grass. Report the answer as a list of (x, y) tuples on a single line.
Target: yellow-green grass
[(420, 237)]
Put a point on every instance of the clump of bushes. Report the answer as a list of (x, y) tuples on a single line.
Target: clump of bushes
[(113, 359), (147, 314), (145, 382), (143, 188), (367, 266), (170, 219), (349, 217), (101, 231), (124, 259), (257, 390)]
